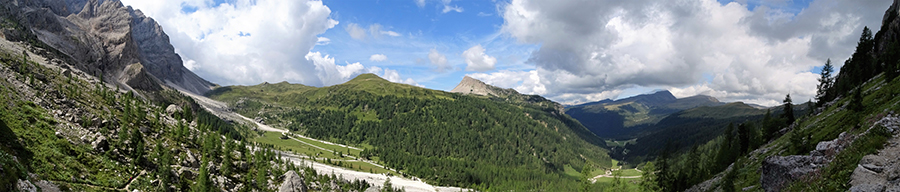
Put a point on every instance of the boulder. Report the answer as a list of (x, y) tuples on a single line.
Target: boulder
[(25, 185), (47, 186), (778, 171), (172, 109), (292, 183), (100, 144), (190, 160)]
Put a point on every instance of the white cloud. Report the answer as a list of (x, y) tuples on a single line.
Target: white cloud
[(332, 74), (390, 33), (476, 60), (438, 60), (375, 31), (449, 8), (394, 76), (284, 32), (420, 3), (483, 14), (323, 41), (591, 47), (378, 58), (355, 31)]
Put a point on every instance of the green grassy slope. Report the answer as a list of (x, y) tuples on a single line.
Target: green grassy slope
[(443, 138), (879, 96)]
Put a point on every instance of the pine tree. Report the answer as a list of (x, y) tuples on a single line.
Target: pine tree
[(825, 83), (856, 100), (743, 138), (585, 177), (788, 109), (203, 182), (137, 145), (767, 125)]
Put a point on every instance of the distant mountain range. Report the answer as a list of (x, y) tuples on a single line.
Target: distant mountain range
[(625, 117)]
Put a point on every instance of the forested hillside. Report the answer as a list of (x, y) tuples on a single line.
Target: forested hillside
[(444, 138)]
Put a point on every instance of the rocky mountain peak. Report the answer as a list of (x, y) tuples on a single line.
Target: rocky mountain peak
[(103, 37), (471, 85)]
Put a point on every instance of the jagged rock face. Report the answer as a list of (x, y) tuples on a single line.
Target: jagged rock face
[(104, 36), (135, 76), (160, 57), (890, 28)]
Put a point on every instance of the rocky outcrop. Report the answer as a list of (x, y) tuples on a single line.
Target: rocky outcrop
[(135, 77), (474, 86), (292, 183), (471, 85), (103, 37), (881, 171), (778, 171), (159, 55), (25, 185), (890, 28)]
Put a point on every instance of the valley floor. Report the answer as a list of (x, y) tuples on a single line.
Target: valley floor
[(377, 180)]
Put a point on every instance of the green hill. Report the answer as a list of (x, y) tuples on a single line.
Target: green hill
[(444, 138), (690, 127)]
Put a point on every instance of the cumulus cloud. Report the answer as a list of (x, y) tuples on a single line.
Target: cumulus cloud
[(438, 60), (378, 58), (592, 47), (214, 40), (332, 74), (476, 60), (394, 76)]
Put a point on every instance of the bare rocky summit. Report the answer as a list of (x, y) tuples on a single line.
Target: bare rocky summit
[(471, 85), (103, 38), (474, 86)]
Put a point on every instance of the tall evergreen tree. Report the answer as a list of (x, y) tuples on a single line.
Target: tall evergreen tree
[(825, 83), (788, 109), (856, 100), (769, 127), (204, 183), (743, 138)]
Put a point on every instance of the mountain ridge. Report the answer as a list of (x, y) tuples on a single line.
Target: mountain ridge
[(624, 117)]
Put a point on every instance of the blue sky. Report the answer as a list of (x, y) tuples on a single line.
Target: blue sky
[(753, 51), (421, 30)]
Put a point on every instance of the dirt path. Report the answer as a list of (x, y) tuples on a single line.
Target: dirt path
[(878, 172), (609, 175)]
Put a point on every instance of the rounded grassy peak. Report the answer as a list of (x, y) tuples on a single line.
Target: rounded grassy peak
[(366, 77)]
